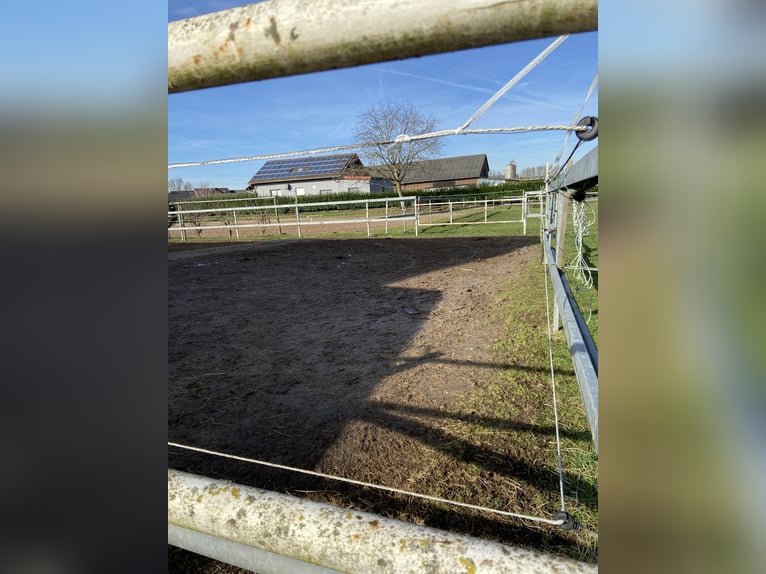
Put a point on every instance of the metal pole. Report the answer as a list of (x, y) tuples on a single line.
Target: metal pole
[(582, 348), (281, 38), (306, 535), (248, 557), (555, 213), (561, 230), (417, 216), (236, 225), (367, 216), (386, 204)]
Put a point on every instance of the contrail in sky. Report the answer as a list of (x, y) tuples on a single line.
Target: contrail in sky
[(456, 85)]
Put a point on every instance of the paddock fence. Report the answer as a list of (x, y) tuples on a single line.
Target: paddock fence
[(361, 33), (375, 215)]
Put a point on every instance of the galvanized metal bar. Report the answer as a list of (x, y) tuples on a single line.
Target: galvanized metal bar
[(240, 555), (582, 175), (280, 38), (561, 230), (582, 349), (335, 538)]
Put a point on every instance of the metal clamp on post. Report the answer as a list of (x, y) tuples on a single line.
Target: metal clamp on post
[(592, 133), (569, 522)]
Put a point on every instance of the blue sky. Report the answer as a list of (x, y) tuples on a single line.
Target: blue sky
[(320, 109)]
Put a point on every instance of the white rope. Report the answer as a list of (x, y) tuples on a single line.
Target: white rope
[(515, 80), (582, 226), (593, 85), (368, 485), (403, 138), (553, 386)]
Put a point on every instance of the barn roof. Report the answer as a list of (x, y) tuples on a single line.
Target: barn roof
[(449, 168), (302, 168)]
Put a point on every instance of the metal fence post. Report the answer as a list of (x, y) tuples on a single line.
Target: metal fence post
[(417, 215), (524, 211), (561, 229)]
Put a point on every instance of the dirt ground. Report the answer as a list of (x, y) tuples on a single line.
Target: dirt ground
[(348, 357)]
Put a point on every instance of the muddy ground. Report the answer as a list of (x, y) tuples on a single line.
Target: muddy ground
[(357, 358)]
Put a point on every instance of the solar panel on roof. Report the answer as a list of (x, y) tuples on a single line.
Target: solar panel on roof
[(305, 166)]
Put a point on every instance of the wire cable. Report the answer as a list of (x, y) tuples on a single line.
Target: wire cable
[(564, 165), (553, 386), (515, 80), (593, 85), (404, 138), (367, 484)]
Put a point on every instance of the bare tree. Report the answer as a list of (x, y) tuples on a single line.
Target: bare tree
[(384, 123), (204, 189), (536, 171), (175, 184), (188, 186)]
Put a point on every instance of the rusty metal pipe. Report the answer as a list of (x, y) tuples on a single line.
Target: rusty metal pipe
[(314, 535), (286, 37)]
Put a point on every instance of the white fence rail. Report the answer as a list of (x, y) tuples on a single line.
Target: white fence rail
[(369, 214), (533, 200), (434, 212)]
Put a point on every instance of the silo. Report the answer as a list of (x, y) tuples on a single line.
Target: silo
[(510, 171)]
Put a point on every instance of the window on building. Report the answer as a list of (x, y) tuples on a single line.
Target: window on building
[(300, 191), (325, 191), (353, 190), (275, 192)]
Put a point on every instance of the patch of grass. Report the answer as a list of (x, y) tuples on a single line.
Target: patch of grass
[(498, 449), (523, 396)]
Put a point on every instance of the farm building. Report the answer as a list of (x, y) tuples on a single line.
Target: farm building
[(446, 172), (318, 175), (341, 173)]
